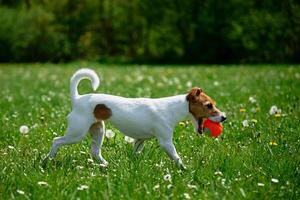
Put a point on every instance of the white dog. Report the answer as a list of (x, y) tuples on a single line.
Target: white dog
[(139, 118)]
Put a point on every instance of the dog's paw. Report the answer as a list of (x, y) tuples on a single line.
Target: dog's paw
[(182, 167), (180, 164), (44, 161), (103, 163)]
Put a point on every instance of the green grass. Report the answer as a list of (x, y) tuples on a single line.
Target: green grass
[(38, 96)]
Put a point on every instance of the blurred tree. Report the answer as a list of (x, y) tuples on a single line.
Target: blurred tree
[(207, 31)]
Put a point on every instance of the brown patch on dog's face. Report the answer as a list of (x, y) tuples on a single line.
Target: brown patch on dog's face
[(101, 112), (201, 106)]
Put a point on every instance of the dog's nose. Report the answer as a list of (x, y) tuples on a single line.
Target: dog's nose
[(223, 118)]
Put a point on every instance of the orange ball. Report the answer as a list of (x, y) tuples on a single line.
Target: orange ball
[(215, 128)]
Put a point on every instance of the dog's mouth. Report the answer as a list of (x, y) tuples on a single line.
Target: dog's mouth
[(200, 125)]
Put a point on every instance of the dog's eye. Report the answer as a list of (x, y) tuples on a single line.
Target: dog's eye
[(209, 106)]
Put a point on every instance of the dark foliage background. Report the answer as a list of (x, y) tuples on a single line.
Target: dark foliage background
[(193, 31)]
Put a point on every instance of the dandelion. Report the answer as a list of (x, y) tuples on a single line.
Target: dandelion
[(260, 184), (167, 177), (277, 115), (254, 121), (245, 123), (186, 196), (242, 110), (273, 143), (109, 133), (83, 187), (21, 192), (274, 180), (274, 110), (24, 129), (42, 183)]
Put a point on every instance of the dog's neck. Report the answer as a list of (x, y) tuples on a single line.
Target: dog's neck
[(178, 108)]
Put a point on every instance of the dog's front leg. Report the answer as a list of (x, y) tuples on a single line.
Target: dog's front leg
[(170, 149)]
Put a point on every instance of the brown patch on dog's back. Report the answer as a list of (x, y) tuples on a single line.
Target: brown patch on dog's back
[(102, 112)]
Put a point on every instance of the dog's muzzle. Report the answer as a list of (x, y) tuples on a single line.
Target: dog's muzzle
[(218, 118), (223, 118)]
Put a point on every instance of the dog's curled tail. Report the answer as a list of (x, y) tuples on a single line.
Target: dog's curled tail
[(78, 76)]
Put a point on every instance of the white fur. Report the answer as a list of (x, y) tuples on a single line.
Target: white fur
[(139, 118)]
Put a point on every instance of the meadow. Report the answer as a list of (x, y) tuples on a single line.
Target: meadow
[(256, 157)]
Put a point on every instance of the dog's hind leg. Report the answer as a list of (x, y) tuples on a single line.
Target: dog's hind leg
[(97, 131), (77, 129)]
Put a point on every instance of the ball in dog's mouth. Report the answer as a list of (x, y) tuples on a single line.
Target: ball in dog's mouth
[(213, 128)]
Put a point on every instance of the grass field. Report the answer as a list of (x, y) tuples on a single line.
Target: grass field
[(260, 160)]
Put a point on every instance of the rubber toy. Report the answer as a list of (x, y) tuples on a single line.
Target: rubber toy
[(215, 128)]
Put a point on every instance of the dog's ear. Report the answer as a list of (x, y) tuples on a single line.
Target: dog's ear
[(193, 94), (101, 112)]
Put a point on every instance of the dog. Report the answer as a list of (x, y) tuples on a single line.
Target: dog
[(138, 118)]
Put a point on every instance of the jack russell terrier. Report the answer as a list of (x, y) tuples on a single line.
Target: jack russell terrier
[(138, 118)]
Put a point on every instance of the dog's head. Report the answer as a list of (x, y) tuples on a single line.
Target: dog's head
[(202, 106)]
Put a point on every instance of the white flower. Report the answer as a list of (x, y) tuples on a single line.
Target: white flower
[(35, 125), (189, 84), (243, 192), (186, 196), (274, 180), (216, 83), (79, 167), (167, 177), (223, 180), (129, 139), (42, 183), (24, 129), (274, 110), (218, 173), (156, 187), (254, 110), (260, 184), (10, 147), (245, 123), (21, 192), (192, 186), (109, 133), (83, 187), (252, 99)]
